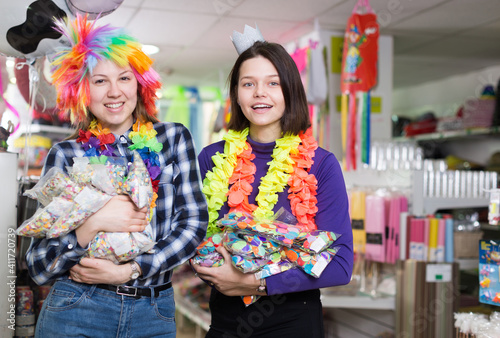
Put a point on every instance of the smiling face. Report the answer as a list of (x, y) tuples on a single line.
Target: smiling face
[(261, 98), (113, 95)]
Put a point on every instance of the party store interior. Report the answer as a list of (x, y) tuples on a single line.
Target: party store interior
[(405, 94)]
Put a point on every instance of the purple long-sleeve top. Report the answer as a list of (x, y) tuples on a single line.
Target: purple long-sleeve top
[(333, 215)]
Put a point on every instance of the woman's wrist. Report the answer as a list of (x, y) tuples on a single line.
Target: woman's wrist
[(261, 287)]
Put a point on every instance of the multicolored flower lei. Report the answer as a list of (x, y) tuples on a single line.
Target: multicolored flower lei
[(98, 141), (292, 158)]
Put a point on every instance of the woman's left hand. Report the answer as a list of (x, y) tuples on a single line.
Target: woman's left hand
[(227, 279), (100, 271)]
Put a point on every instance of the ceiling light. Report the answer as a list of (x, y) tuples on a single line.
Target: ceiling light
[(150, 49)]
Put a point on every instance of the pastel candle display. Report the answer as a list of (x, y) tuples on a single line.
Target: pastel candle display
[(357, 206), (375, 228), (433, 238), (403, 235), (449, 255), (426, 242), (441, 240)]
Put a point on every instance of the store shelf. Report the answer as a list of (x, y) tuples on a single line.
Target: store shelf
[(53, 132), (193, 312), (429, 205), (468, 263), (424, 205), (451, 134), (358, 302)]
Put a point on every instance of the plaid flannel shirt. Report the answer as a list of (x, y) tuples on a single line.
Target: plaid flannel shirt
[(179, 221)]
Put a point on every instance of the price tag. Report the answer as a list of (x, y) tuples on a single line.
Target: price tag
[(438, 273)]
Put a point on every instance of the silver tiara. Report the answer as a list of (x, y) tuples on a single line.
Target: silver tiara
[(244, 41)]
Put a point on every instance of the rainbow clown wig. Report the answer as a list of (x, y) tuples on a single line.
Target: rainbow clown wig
[(89, 44)]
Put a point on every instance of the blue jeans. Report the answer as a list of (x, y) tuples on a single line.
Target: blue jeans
[(81, 310)]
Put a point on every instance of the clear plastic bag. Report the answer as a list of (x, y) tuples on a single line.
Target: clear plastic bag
[(279, 232), (120, 247), (55, 183)]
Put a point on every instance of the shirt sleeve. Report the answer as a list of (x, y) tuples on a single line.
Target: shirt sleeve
[(48, 259), (332, 215), (189, 215)]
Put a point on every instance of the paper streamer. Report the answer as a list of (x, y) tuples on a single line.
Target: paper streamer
[(343, 128), (449, 256), (351, 141), (365, 128)]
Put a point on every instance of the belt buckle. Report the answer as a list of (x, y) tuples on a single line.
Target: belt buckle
[(126, 291)]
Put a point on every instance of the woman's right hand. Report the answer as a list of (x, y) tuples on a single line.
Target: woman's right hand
[(120, 214)]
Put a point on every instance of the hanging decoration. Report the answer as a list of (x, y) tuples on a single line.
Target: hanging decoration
[(359, 74)]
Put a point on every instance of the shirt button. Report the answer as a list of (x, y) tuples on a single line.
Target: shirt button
[(70, 246)]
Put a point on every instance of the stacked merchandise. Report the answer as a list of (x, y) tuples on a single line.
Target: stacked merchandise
[(427, 298), (267, 248), (25, 312), (376, 222), (477, 325), (489, 272), (68, 200)]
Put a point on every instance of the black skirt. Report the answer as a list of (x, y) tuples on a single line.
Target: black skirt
[(297, 314)]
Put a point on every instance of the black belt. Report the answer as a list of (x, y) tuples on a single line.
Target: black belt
[(132, 291)]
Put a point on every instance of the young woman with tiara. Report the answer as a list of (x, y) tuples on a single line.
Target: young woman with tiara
[(269, 160), (107, 85)]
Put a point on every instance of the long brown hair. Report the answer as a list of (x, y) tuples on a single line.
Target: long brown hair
[(296, 116)]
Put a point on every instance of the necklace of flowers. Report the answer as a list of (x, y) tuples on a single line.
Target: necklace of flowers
[(292, 158), (98, 143)]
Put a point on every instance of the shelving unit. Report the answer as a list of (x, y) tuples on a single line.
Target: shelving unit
[(52, 132), (189, 310), (452, 134), (358, 302)]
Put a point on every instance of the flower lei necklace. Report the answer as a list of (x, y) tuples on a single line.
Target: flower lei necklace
[(292, 158), (98, 141)]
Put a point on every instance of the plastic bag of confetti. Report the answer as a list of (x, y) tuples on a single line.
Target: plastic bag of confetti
[(210, 260), (84, 204), (120, 247), (312, 264), (274, 268), (55, 183), (316, 240), (40, 223), (81, 172), (138, 183), (206, 255), (110, 177), (279, 232), (247, 265), (249, 245), (102, 172)]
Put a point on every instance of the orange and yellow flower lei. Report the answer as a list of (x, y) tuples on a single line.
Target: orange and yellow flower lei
[(292, 158)]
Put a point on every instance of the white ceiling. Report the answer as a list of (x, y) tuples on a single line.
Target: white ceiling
[(433, 39)]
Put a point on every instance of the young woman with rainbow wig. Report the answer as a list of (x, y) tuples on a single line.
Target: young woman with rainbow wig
[(108, 86)]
